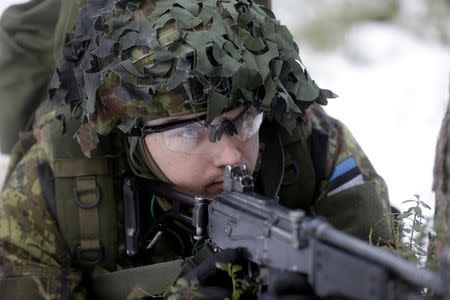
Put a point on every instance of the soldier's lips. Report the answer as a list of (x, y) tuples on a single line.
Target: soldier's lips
[(215, 188)]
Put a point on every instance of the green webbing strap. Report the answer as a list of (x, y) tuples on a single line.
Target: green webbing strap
[(78, 179), (82, 167), (151, 280), (21, 288), (90, 233), (88, 198)]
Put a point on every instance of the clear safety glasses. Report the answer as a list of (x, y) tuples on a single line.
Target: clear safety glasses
[(192, 136)]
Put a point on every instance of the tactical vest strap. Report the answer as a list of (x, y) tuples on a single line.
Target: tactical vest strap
[(82, 167), (87, 196), (86, 210), (151, 280)]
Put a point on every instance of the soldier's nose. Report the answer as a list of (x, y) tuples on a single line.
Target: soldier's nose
[(225, 152)]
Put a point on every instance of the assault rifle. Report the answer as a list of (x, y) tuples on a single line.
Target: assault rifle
[(275, 237)]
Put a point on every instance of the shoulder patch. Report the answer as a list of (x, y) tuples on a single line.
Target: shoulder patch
[(345, 175)]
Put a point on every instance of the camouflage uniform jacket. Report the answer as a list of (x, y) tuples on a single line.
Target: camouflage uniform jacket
[(325, 173)]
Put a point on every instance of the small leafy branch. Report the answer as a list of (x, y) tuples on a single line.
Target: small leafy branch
[(240, 285), (411, 230)]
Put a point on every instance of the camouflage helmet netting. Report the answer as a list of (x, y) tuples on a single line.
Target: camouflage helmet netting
[(136, 60)]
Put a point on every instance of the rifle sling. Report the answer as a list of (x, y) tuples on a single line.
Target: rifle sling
[(150, 280)]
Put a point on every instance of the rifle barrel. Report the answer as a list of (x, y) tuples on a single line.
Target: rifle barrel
[(406, 270)]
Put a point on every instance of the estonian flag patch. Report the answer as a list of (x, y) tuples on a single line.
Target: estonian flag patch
[(345, 175)]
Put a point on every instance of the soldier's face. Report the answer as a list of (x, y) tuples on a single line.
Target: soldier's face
[(198, 167)]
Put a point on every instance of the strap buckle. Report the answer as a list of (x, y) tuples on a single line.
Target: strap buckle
[(78, 253), (77, 192)]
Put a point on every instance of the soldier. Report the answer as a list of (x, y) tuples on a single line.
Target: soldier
[(172, 91)]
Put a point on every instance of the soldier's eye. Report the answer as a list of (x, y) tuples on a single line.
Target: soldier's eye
[(191, 131)]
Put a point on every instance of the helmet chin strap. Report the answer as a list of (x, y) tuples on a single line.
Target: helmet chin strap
[(150, 162), (142, 162)]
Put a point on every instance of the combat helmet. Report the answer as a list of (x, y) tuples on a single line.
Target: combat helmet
[(131, 61)]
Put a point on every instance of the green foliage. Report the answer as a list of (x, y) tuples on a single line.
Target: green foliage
[(437, 14), (411, 231), (324, 27), (327, 29), (241, 285)]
